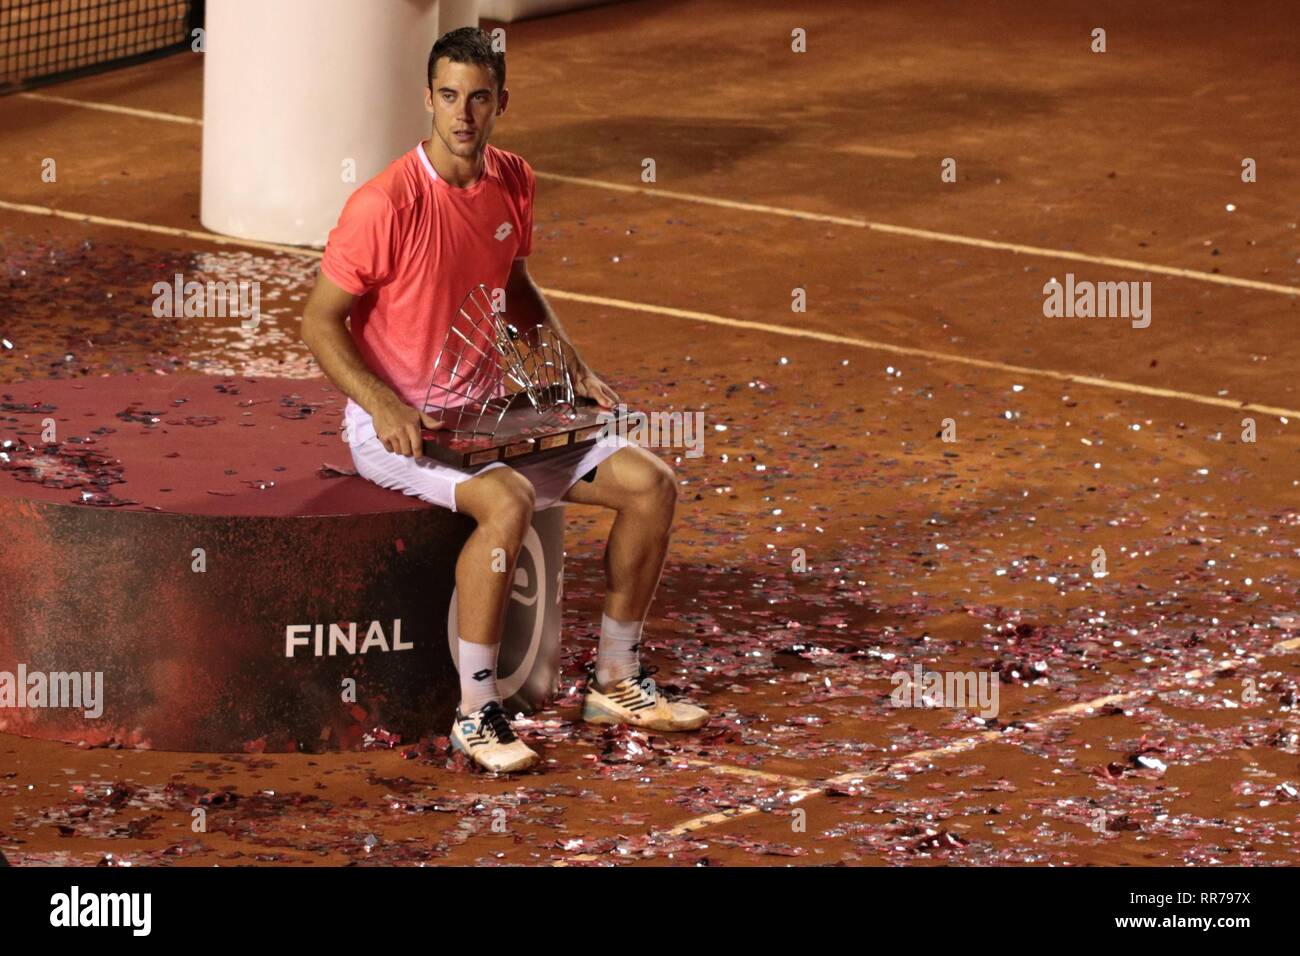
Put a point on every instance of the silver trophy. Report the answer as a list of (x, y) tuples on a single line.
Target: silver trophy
[(504, 393)]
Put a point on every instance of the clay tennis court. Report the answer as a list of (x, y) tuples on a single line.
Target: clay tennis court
[(1158, 698)]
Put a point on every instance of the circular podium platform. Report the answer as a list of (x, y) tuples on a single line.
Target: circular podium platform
[(187, 566)]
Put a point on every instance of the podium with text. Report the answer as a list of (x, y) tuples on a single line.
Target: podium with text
[(193, 546)]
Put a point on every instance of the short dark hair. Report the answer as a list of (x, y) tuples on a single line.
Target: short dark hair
[(469, 45)]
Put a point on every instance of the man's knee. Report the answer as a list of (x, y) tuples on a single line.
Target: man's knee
[(501, 500), (654, 486)]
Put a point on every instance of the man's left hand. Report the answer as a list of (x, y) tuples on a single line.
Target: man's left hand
[(590, 385)]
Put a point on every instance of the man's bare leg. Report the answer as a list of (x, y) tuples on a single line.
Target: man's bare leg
[(501, 502), (642, 490)]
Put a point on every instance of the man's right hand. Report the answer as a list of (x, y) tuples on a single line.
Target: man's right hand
[(325, 331), (397, 426)]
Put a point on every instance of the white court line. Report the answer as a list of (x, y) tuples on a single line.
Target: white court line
[(157, 230), (111, 108), (957, 746), (710, 319), (835, 339), (875, 151), (851, 221), (931, 234), (807, 789)]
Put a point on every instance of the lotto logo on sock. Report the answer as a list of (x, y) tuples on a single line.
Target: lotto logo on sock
[(484, 674)]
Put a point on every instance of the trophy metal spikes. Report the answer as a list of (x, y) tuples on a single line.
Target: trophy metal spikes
[(503, 393)]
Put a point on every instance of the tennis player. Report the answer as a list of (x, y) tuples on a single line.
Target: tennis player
[(450, 214)]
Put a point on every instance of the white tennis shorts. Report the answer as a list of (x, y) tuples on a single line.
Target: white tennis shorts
[(432, 481)]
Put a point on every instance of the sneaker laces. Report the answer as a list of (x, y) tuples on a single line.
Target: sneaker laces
[(644, 674), (493, 718), (638, 679)]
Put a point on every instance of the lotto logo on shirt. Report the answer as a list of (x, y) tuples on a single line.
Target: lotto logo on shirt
[(504, 230)]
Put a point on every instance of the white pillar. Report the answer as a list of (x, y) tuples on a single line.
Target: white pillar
[(508, 11), (454, 14), (304, 100)]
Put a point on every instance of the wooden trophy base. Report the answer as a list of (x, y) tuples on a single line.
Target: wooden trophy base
[(521, 433)]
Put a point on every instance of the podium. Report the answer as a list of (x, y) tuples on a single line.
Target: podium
[(192, 540)]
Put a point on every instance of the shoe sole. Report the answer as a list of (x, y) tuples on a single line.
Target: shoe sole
[(593, 713), (512, 768)]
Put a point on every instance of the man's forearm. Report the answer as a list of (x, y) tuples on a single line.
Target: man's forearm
[(342, 364)]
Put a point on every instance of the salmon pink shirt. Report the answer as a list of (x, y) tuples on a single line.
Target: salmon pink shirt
[(411, 247)]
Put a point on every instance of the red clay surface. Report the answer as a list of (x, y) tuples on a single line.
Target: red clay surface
[(974, 555)]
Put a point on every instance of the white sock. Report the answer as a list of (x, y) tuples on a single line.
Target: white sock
[(478, 675), (617, 657)]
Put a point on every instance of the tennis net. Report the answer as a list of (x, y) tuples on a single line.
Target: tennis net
[(45, 41)]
